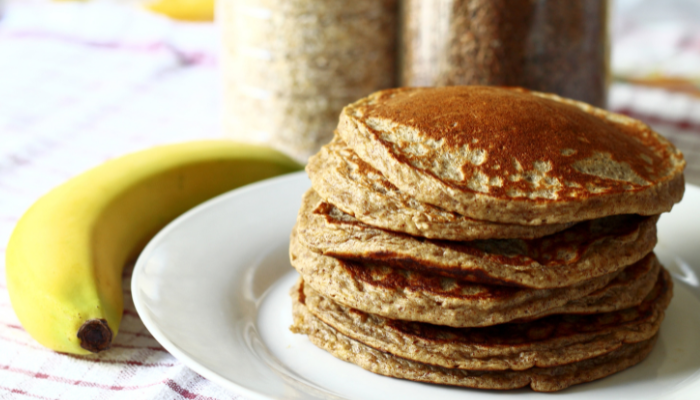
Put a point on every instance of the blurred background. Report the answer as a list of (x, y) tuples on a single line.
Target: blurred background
[(112, 76), (120, 75), (84, 81)]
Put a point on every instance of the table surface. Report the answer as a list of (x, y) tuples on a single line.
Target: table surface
[(73, 95)]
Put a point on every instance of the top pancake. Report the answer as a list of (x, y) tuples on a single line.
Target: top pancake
[(341, 178), (513, 156)]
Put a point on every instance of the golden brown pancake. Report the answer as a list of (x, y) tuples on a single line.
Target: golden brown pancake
[(547, 342), (513, 156), (341, 178), (539, 379), (417, 296), (584, 251)]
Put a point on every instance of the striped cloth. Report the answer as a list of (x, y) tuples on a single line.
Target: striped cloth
[(70, 99)]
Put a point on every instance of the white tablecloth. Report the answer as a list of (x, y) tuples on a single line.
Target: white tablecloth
[(73, 94)]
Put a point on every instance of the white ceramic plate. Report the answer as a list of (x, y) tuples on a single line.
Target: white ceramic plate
[(212, 287)]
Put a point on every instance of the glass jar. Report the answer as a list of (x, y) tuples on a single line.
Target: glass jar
[(558, 46), (290, 66)]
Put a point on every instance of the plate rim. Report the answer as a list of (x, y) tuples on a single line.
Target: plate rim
[(137, 276)]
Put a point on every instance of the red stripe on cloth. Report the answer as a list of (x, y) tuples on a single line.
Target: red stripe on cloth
[(22, 392), (184, 58), (137, 334), (18, 327), (13, 326), (25, 344), (684, 124), (126, 346), (94, 360), (74, 382), (120, 362), (184, 392), (131, 313), (17, 160)]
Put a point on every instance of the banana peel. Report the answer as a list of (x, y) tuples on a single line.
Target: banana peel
[(65, 257)]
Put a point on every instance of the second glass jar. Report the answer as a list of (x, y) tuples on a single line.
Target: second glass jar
[(546, 45)]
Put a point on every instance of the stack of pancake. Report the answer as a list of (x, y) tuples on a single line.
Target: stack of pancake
[(485, 237)]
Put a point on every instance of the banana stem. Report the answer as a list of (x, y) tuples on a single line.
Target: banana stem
[(95, 335)]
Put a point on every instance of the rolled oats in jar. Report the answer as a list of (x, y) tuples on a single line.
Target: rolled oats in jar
[(289, 66), (558, 46)]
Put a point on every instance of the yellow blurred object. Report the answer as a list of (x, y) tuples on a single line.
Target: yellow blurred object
[(185, 10), (683, 85)]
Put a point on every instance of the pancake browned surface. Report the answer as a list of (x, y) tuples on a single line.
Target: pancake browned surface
[(416, 296), (340, 177), (547, 342), (585, 251), (539, 379), (513, 156)]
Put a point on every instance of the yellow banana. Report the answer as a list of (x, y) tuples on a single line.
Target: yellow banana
[(66, 254)]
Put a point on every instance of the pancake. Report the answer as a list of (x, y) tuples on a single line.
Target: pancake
[(341, 178), (539, 379), (416, 296), (587, 250), (628, 289), (546, 342), (513, 156)]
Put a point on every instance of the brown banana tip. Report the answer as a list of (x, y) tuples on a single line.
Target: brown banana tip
[(95, 335)]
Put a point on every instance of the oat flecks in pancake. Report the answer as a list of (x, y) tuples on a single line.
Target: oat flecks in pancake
[(546, 342), (513, 156), (340, 177), (539, 379), (586, 250), (414, 296)]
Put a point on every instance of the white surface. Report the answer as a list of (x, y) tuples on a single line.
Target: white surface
[(656, 37), (83, 82), (213, 289)]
